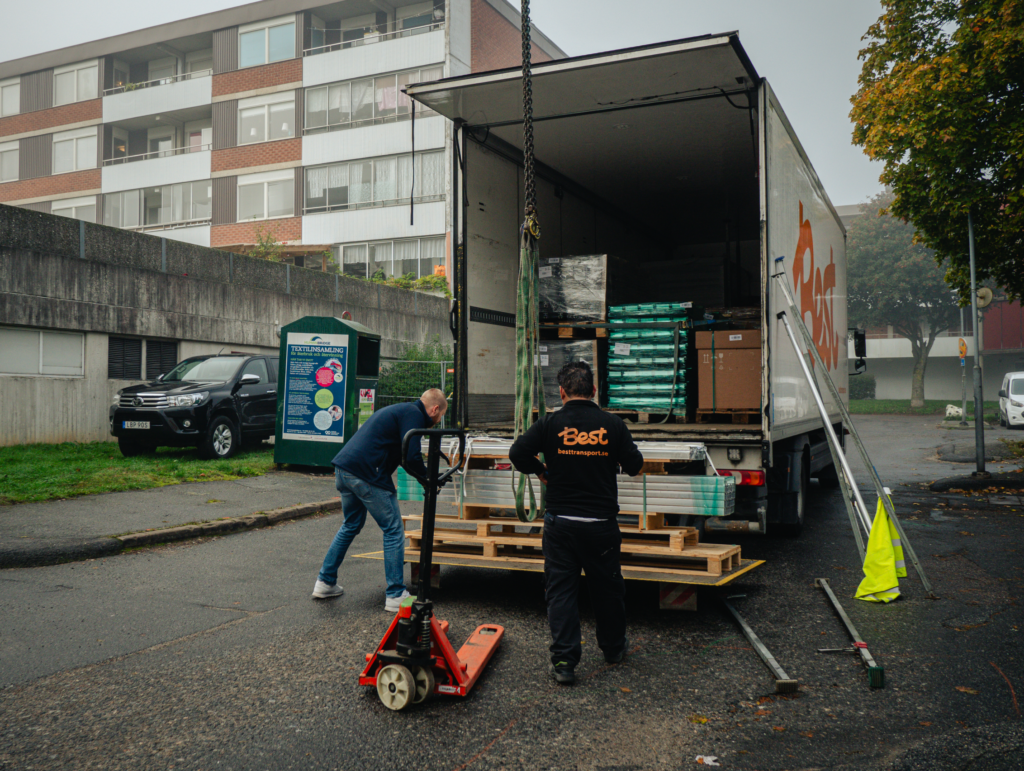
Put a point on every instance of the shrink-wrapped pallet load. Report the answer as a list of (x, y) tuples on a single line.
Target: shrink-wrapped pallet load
[(555, 354), (580, 288)]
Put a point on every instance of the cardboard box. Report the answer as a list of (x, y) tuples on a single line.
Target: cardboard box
[(729, 370)]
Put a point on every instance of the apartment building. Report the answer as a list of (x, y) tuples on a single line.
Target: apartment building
[(282, 117)]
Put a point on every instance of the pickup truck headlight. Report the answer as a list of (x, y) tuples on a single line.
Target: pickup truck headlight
[(1016, 404), (187, 400)]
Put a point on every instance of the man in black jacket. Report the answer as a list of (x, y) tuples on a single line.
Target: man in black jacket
[(583, 447)]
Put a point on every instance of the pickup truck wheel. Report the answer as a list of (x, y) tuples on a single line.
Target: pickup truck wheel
[(794, 504), (131, 449), (222, 439)]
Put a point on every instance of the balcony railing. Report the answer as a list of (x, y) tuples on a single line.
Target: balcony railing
[(392, 31), (156, 154), (371, 204), (421, 113), (173, 225), (126, 87)]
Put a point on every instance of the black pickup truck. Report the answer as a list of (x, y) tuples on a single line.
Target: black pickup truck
[(214, 402)]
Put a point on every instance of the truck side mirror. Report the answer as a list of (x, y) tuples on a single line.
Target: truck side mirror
[(859, 367), (1002, 393), (860, 343)]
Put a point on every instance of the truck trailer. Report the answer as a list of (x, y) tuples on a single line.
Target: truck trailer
[(678, 160)]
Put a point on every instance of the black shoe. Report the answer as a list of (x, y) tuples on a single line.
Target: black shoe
[(564, 673), (618, 657)]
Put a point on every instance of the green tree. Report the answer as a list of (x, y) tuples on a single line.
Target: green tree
[(267, 246), (893, 280), (941, 103)]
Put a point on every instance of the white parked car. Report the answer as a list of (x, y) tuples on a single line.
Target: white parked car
[(1011, 400)]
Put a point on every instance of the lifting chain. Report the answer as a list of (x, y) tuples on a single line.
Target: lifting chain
[(530, 199)]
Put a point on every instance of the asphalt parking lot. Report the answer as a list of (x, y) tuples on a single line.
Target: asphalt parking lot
[(211, 655)]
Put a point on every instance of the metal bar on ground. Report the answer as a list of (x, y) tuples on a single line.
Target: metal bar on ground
[(876, 674), (783, 682)]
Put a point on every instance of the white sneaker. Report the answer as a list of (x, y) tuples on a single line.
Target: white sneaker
[(322, 591), (392, 604)]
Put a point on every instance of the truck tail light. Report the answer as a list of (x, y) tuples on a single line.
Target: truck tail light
[(751, 478)]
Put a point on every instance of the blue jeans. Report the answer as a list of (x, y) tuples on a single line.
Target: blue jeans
[(357, 498)]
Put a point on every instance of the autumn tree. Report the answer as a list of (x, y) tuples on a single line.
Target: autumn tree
[(941, 103), (891, 280)]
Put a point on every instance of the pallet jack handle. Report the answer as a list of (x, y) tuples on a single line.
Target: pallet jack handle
[(433, 482)]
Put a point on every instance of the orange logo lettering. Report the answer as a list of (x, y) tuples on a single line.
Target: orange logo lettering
[(571, 436), (815, 293)]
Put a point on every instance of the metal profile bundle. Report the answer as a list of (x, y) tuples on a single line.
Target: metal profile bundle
[(496, 447)]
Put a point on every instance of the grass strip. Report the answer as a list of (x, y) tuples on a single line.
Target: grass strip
[(45, 472), (902, 407)]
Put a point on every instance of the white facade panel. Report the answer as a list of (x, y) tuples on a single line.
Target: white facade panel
[(899, 348), (199, 235), (374, 58), (344, 227), (194, 92), (187, 167), (372, 141)]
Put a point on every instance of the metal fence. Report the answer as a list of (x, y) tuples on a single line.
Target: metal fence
[(405, 381)]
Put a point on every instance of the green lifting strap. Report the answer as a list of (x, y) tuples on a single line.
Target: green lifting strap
[(529, 387)]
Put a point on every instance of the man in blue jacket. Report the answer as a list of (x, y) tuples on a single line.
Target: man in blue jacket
[(362, 474)]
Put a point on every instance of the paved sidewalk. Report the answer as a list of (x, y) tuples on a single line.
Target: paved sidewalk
[(80, 528)]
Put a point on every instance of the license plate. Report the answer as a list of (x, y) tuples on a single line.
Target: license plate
[(136, 424)]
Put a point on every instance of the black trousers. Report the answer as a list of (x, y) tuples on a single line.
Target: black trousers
[(592, 547)]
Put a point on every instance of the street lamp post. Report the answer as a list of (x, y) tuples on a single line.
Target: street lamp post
[(979, 403)]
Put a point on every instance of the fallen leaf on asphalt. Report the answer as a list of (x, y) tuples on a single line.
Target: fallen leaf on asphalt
[(765, 700), (625, 690), (926, 723), (698, 719), (763, 712), (707, 760), (965, 689), (807, 734), (964, 532), (778, 728)]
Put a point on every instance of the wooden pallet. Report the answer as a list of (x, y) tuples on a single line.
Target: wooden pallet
[(646, 522), (729, 416), (484, 528), (575, 331), (645, 418), (711, 560)]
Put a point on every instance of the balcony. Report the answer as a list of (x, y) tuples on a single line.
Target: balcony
[(165, 167), (178, 92), (362, 36), (372, 141), (372, 224), (384, 52)]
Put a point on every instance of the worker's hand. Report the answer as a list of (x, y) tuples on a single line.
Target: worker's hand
[(543, 477)]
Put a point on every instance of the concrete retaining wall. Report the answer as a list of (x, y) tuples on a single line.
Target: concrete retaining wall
[(60, 274)]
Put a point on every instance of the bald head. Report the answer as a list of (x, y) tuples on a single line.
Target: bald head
[(435, 403)]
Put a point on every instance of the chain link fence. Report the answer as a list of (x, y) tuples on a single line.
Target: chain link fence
[(405, 381)]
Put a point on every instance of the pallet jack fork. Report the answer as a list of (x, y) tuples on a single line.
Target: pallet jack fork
[(414, 658)]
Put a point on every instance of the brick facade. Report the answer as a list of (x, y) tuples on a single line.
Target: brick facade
[(251, 78), (261, 154), (72, 182), (496, 42), (51, 118), (289, 229)]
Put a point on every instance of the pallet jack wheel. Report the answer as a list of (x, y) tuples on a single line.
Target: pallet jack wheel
[(396, 686), (424, 679)]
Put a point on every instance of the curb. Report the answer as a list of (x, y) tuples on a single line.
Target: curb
[(36, 554), (971, 483)]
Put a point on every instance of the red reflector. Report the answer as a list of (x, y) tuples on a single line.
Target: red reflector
[(752, 478)]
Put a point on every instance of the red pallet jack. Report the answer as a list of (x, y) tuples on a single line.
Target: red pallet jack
[(415, 659)]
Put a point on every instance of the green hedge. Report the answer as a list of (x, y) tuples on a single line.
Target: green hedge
[(862, 387)]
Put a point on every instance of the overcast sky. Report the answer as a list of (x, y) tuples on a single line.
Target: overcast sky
[(806, 48)]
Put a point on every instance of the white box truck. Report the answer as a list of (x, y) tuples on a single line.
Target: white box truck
[(678, 159)]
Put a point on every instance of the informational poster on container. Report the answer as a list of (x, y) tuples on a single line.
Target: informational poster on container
[(314, 389), (366, 399)]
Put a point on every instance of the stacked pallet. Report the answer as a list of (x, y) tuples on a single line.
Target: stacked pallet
[(555, 354), (647, 371)]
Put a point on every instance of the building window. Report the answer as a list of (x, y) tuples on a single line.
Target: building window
[(266, 196), (124, 358), (265, 42), (375, 182), (416, 257), (39, 352), (266, 119), (161, 357), (8, 162), (187, 203), (365, 102), (75, 83), (10, 97), (74, 150), (76, 208)]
